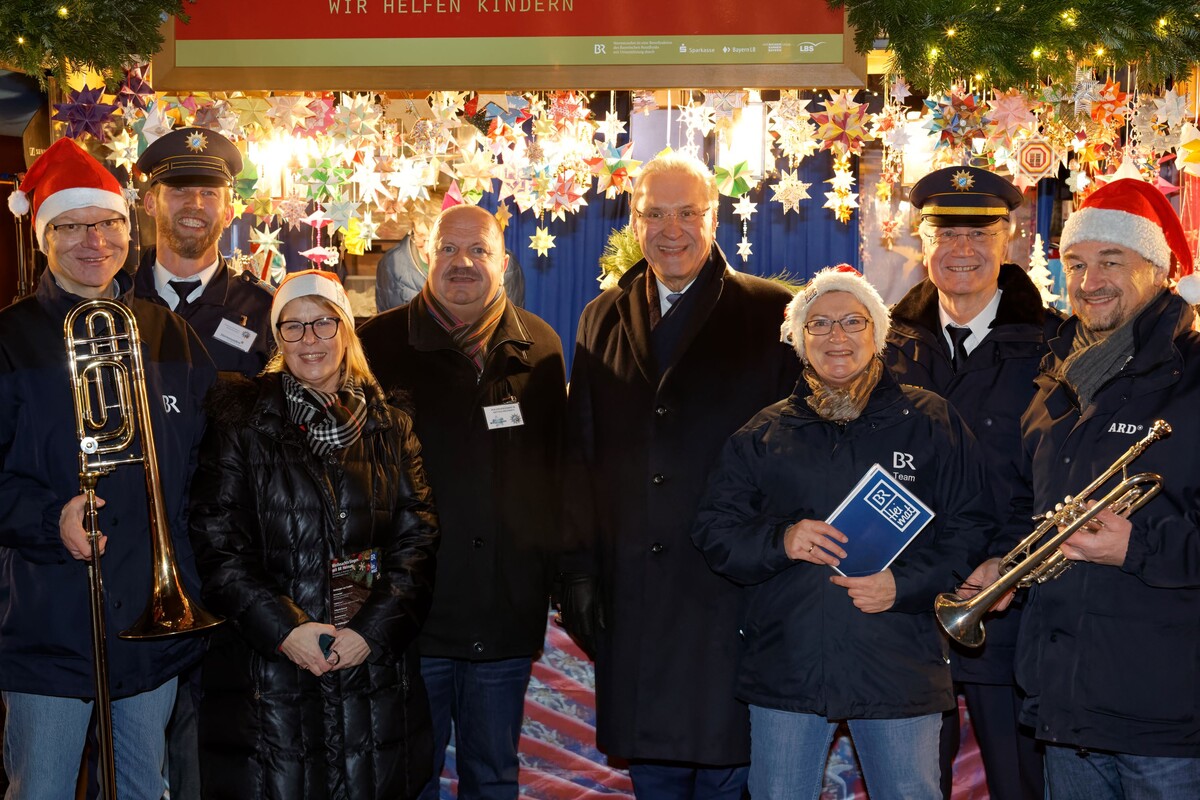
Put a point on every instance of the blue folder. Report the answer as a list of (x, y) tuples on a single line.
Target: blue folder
[(880, 517)]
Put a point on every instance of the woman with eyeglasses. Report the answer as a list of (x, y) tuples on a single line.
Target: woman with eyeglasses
[(315, 537), (820, 648)]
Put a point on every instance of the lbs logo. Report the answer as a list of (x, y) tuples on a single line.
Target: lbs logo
[(1125, 427)]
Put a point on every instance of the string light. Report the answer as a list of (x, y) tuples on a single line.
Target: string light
[(20, 40), (63, 11), (951, 31), (1099, 52), (933, 53), (1037, 52)]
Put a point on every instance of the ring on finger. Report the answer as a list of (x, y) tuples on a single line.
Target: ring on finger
[(811, 546)]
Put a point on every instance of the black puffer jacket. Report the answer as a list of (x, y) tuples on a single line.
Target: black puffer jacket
[(266, 518), (806, 647)]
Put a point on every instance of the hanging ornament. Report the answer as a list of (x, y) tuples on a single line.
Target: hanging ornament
[(541, 241), (734, 181), (789, 191), (84, 113), (842, 124)]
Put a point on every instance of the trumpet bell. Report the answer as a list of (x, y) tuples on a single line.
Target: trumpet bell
[(962, 621)]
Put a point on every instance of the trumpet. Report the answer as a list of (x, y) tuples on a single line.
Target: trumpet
[(1038, 558), (112, 421)]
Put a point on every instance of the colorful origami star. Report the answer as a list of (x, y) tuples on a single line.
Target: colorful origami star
[(83, 112)]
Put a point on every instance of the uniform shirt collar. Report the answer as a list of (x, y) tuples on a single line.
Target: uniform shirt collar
[(980, 325), (162, 276)]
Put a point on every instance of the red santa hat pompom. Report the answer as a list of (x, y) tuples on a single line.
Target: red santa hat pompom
[(1136, 215), (63, 179)]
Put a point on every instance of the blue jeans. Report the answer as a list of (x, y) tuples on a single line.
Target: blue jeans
[(1071, 775), (675, 781), (486, 702), (44, 735), (788, 751)]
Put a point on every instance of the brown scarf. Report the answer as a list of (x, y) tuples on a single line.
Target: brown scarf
[(471, 338), (845, 403)]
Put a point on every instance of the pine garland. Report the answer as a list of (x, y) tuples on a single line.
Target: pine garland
[(1020, 43), (55, 36)]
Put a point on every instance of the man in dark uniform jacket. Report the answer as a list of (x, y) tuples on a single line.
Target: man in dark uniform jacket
[(993, 315), (668, 364), (190, 196), (487, 384)]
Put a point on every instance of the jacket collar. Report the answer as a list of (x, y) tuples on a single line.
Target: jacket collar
[(216, 291), (916, 315), (59, 302), (887, 401), (1154, 332), (425, 334), (634, 309)]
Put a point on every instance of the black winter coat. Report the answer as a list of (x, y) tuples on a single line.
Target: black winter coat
[(806, 647), (45, 633), (1110, 656), (266, 518), (232, 304), (497, 491), (991, 391), (642, 443)]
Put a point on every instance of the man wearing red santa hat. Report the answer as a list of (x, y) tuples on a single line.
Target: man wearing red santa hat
[(82, 224), (1109, 653)]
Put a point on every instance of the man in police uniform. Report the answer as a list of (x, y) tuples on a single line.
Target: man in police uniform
[(190, 196), (974, 332)]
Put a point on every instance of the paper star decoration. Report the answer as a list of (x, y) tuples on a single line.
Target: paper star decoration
[(789, 191), (251, 111), (135, 89), (698, 118), (84, 113), (842, 124), (541, 241), (123, 150), (899, 90), (475, 171), (1171, 109), (1078, 181), (736, 180), (612, 127), (614, 169), (743, 249), (265, 240), (1010, 113), (502, 215), (744, 208), (1189, 149), (289, 111), (360, 235)]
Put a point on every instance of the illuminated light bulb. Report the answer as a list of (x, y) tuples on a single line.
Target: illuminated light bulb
[(63, 11), (951, 31), (978, 76), (1099, 51), (933, 51), (1162, 23), (1037, 52), (20, 40)]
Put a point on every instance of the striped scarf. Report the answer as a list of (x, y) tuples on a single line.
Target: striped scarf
[(471, 338), (329, 421)]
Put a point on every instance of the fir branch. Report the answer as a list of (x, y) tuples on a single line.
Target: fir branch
[(1021, 43), (54, 37)]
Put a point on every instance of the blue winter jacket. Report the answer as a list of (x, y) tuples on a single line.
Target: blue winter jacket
[(45, 632)]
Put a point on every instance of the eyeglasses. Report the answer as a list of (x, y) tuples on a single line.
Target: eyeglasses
[(323, 328), (113, 229), (823, 327), (947, 238), (685, 216)]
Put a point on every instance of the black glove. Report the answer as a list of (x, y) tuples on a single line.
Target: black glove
[(579, 609)]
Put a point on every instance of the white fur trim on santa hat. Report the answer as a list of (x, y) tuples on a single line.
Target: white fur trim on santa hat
[(70, 199), (1118, 227), (834, 279), (310, 283)]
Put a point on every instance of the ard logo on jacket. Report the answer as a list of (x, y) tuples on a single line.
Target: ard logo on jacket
[(1125, 427)]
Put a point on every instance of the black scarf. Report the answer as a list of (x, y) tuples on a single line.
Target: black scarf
[(329, 421)]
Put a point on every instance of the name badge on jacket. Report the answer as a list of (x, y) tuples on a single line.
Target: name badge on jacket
[(235, 335), (504, 415)]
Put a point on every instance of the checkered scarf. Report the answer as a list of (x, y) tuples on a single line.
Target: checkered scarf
[(329, 421), (471, 338)]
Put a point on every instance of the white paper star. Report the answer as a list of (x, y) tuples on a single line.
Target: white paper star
[(789, 191), (743, 249), (744, 208)]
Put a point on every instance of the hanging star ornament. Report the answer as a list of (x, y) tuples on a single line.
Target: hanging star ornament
[(614, 169), (123, 150), (743, 249), (843, 124), (789, 191), (266, 240), (744, 208), (84, 113), (735, 181), (1188, 154), (135, 90), (541, 241)]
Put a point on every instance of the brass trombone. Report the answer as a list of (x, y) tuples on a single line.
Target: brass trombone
[(1037, 558), (112, 420)]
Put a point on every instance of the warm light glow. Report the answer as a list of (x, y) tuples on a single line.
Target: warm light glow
[(933, 51), (63, 11), (1037, 52), (1162, 23), (951, 31), (978, 76), (1099, 51)]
